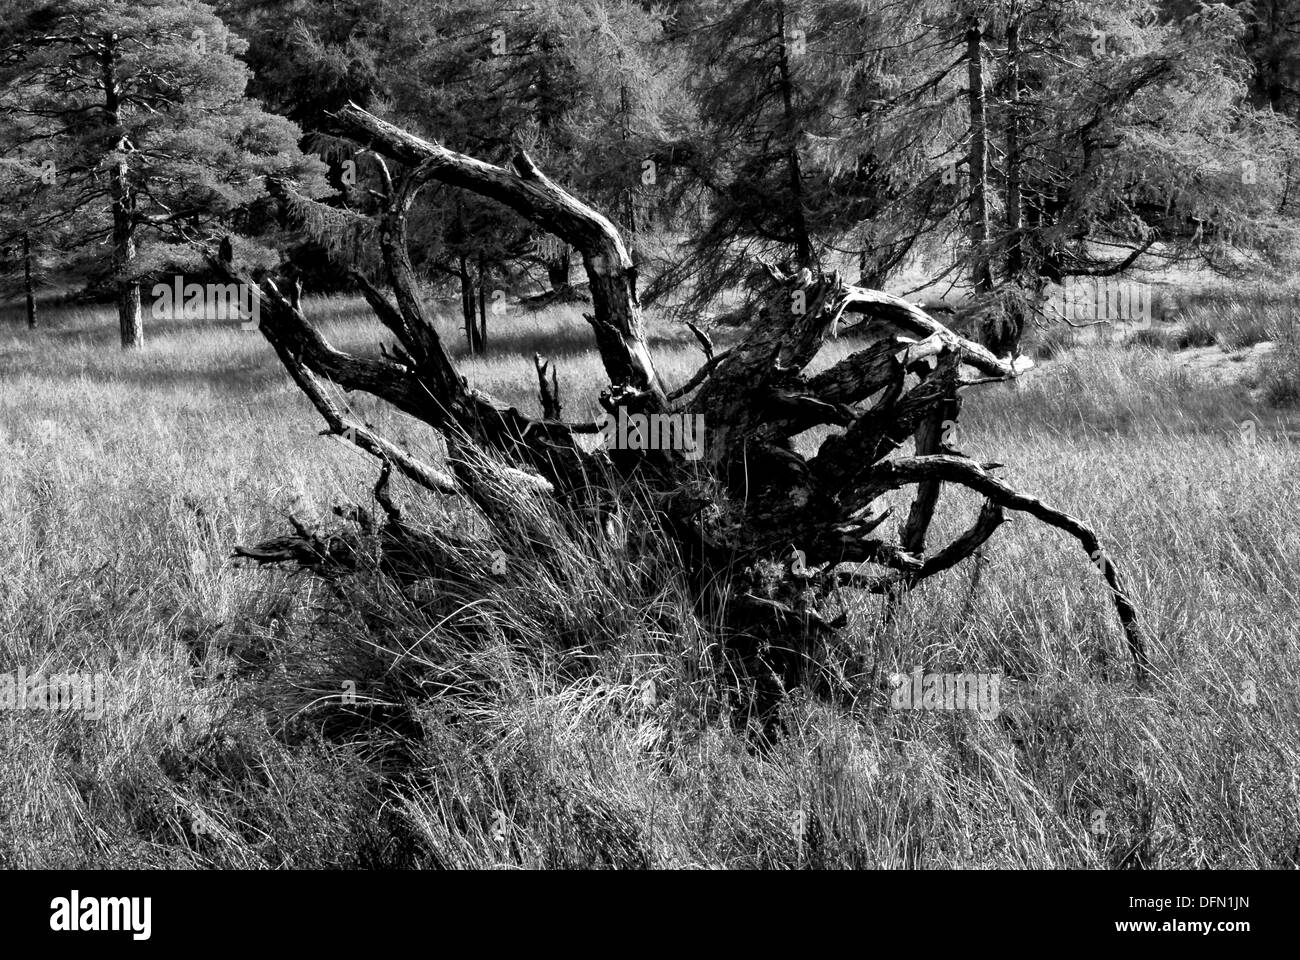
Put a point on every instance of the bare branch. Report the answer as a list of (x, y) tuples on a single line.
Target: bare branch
[(991, 517), (884, 311), (699, 376), (549, 392), (526, 190), (893, 474), (706, 342)]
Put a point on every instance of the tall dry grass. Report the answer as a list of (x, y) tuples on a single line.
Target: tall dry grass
[(578, 712)]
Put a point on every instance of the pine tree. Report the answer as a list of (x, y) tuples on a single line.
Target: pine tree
[(819, 126), (144, 102), (28, 232)]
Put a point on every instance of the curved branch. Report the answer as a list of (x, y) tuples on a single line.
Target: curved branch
[(620, 336), (893, 474), (699, 376), (886, 310), (991, 517), (448, 404), (383, 308), (359, 434)]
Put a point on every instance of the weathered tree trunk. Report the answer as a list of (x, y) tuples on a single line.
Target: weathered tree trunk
[(736, 499), (29, 287), (129, 317)]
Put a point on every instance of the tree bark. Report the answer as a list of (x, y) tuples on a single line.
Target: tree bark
[(557, 269), (28, 285), (803, 249), (981, 277), (933, 438), (629, 190), (130, 320), (467, 310), (616, 311), (482, 303), (1015, 211)]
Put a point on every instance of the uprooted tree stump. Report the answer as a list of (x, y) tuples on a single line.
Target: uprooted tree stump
[(744, 504)]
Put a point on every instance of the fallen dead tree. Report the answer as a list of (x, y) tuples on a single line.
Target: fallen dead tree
[(766, 535)]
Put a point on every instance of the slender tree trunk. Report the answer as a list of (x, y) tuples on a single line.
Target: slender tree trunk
[(981, 278), (1047, 214), (466, 289), (936, 431), (1013, 321), (468, 309), (482, 303), (129, 317), (557, 269), (629, 215), (466, 293), (629, 193), (28, 286), (803, 250), (1015, 207)]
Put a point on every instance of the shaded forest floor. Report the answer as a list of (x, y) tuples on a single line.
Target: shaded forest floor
[(578, 718)]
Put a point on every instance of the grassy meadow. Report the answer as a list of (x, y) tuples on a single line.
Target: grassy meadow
[(579, 716)]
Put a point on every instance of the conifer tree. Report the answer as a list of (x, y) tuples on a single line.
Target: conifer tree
[(141, 107)]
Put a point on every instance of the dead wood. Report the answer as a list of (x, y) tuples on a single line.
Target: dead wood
[(737, 499)]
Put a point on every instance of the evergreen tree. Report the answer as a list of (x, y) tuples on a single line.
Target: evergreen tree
[(142, 108)]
